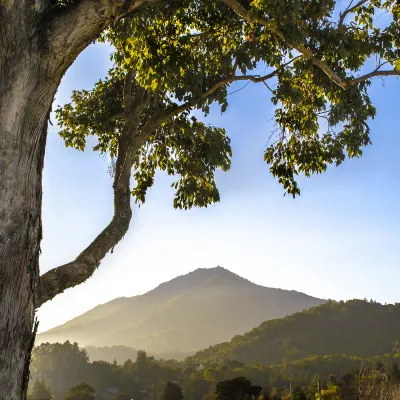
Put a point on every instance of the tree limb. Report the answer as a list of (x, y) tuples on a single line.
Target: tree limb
[(66, 276), (374, 74), (348, 11), (272, 26), (71, 29), (191, 103), (78, 271)]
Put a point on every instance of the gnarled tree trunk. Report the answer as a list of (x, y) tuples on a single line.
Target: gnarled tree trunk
[(25, 99), (37, 45)]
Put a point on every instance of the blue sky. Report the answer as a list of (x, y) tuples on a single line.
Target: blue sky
[(340, 239)]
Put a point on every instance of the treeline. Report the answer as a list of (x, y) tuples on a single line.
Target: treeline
[(355, 328), (61, 366), (123, 353)]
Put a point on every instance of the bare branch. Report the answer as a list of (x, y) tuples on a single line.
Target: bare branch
[(348, 11), (374, 74)]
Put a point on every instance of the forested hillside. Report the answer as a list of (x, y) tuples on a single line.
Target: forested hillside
[(60, 366), (354, 328), (188, 313)]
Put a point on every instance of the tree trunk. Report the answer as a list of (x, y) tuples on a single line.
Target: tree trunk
[(26, 95), (37, 45)]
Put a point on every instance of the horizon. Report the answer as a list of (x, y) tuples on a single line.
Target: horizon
[(337, 240)]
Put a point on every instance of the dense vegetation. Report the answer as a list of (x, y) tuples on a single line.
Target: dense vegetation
[(61, 368), (353, 328), (302, 349)]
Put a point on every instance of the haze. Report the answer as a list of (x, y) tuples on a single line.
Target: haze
[(338, 240)]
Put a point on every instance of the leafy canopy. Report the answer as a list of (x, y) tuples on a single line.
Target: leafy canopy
[(40, 391), (178, 143), (237, 388), (180, 51), (81, 391), (172, 392)]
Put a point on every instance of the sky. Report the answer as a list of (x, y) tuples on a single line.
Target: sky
[(339, 240)]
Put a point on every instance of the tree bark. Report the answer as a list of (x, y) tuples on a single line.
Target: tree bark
[(25, 100), (37, 46)]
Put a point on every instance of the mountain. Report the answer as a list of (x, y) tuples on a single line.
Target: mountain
[(353, 328), (190, 312)]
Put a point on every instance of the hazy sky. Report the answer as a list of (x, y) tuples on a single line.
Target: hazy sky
[(339, 240)]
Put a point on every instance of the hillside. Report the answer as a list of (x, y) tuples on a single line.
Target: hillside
[(190, 312), (353, 328)]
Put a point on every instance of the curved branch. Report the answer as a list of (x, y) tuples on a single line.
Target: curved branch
[(82, 268), (71, 29), (78, 271), (374, 74)]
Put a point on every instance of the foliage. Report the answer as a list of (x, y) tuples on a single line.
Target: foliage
[(179, 52), (177, 142), (60, 364), (367, 330), (237, 389), (333, 375), (196, 387), (321, 99), (119, 353), (81, 391), (334, 328), (172, 392), (39, 391)]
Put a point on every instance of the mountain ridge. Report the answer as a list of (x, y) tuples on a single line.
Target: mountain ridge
[(328, 329), (187, 313)]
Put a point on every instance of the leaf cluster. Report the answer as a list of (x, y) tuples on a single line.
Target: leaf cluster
[(180, 50)]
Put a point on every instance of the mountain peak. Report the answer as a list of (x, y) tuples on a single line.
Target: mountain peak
[(190, 312), (200, 276)]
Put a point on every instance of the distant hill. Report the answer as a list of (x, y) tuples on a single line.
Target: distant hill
[(190, 312), (353, 328)]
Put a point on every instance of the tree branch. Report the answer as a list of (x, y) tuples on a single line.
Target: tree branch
[(78, 271), (273, 28), (71, 29), (374, 74), (128, 101), (348, 11), (230, 79)]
